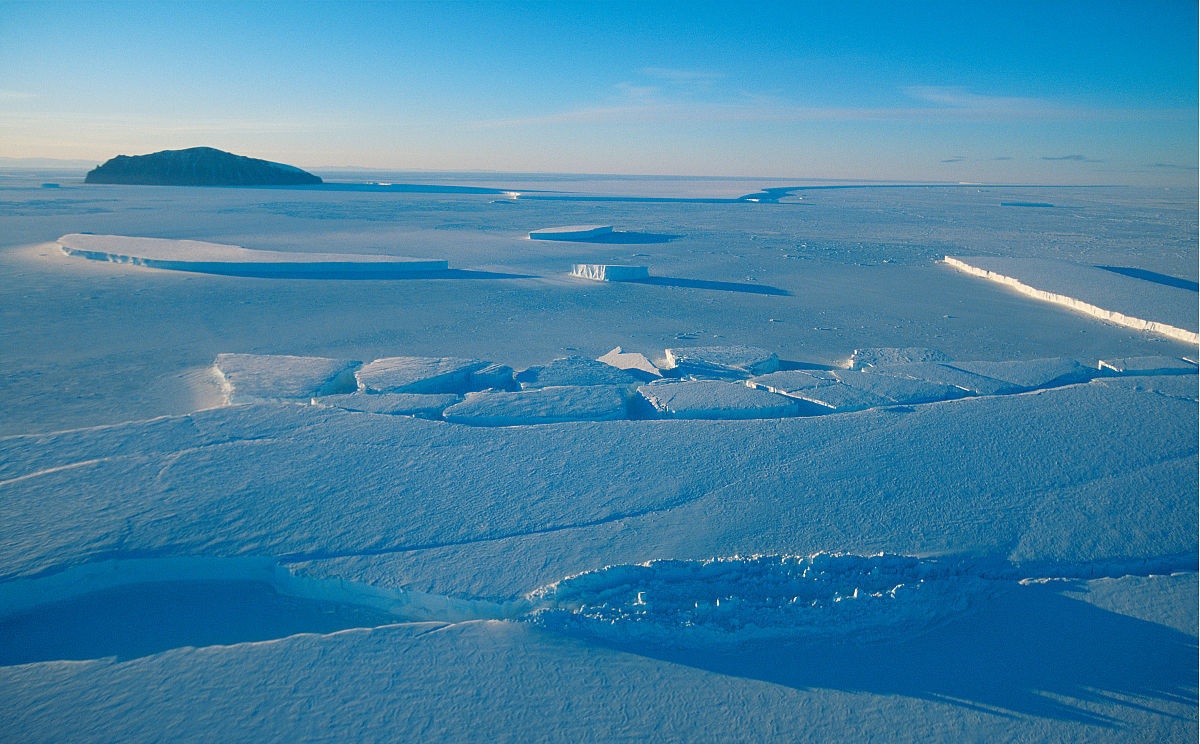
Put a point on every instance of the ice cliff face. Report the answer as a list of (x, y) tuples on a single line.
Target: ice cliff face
[(198, 166)]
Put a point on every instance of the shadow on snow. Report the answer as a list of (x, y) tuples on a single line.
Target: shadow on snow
[(1030, 651)]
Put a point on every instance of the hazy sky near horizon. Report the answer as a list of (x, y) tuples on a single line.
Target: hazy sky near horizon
[(1045, 92)]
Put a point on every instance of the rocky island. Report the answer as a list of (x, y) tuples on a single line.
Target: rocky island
[(198, 166)]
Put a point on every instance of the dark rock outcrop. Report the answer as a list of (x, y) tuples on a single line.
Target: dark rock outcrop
[(198, 166)]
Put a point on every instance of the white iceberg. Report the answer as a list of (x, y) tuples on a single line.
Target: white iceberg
[(1111, 296), (610, 272)]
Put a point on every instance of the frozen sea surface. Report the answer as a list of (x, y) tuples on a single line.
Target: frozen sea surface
[(991, 534)]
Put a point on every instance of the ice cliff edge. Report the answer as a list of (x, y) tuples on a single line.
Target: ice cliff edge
[(198, 166)]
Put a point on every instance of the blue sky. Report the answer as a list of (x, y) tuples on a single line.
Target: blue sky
[(1047, 92)]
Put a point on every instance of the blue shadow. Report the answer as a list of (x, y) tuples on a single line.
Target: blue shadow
[(1153, 276), (144, 619), (665, 281), (1027, 651)]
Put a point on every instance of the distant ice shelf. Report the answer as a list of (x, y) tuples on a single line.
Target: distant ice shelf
[(1110, 296), (217, 258)]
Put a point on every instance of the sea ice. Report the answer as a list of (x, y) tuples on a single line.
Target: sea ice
[(404, 404), (721, 361), (792, 381), (493, 376), (898, 390), (947, 374), (715, 399), (876, 357), (841, 398), (575, 370), (1148, 365), (418, 375), (1030, 374), (543, 405), (632, 362), (249, 377)]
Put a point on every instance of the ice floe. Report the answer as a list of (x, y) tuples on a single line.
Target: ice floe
[(575, 370), (249, 377), (410, 374), (720, 361), (543, 405), (633, 362), (1029, 374), (217, 258), (714, 399), (853, 390), (879, 356), (1148, 365), (428, 405)]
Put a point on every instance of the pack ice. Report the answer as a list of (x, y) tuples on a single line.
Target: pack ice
[(437, 507)]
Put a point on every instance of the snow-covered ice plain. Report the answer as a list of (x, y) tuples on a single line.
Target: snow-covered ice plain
[(808, 481)]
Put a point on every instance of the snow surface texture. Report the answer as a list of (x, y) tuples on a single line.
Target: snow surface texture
[(215, 258), (1111, 296), (1023, 551)]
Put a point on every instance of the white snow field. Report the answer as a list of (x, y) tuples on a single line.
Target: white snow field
[(826, 488)]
